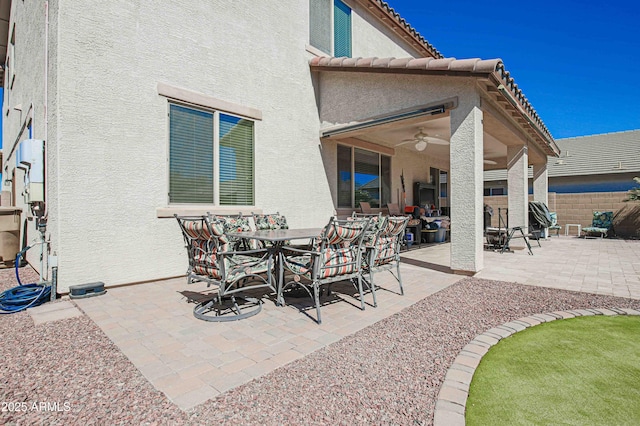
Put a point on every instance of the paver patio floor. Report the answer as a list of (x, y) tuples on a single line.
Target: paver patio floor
[(192, 361)]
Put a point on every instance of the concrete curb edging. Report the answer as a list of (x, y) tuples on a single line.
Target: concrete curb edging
[(452, 398)]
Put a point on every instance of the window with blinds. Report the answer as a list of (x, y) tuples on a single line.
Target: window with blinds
[(320, 25), (190, 155), (330, 27), (236, 161), (193, 151), (341, 29)]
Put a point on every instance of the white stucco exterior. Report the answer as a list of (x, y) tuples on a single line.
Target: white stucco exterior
[(107, 141), (466, 186), (517, 168)]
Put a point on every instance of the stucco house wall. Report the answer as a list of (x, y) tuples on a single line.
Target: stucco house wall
[(108, 126), (24, 100)]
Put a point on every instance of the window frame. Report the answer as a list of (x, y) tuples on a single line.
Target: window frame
[(332, 30), (352, 171), (216, 155)]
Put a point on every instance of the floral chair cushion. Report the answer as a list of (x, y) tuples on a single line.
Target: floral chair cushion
[(235, 224), (267, 222), (270, 221), (602, 220), (601, 223)]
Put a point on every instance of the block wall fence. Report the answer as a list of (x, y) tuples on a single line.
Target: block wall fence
[(579, 208)]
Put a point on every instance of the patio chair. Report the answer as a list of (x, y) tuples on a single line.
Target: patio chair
[(554, 224), (394, 209), (600, 225), (238, 223), (383, 252), (269, 221), (365, 207), (336, 256), (212, 260)]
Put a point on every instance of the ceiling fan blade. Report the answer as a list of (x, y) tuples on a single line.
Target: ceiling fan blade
[(437, 141), (407, 141)]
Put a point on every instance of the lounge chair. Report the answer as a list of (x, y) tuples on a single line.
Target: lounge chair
[(365, 207), (554, 224), (394, 209), (600, 225)]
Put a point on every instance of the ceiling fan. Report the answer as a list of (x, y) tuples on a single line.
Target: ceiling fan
[(421, 139)]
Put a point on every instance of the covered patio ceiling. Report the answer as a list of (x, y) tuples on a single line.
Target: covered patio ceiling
[(508, 117), (397, 135)]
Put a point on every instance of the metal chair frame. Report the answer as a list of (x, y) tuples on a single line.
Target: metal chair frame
[(212, 261), (336, 257), (383, 252)]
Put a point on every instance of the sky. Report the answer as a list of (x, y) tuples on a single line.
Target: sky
[(578, 62)]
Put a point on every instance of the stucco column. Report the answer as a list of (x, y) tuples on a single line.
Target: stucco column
[(466, 186), (541, 183), (518, 186), (541, 188)]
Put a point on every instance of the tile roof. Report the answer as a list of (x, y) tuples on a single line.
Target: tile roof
[(490, 68), (605, 153), (426, 64)]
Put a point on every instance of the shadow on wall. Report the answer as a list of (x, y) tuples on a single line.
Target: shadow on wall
[(626, 221)]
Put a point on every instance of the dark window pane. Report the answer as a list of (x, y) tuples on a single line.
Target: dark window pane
[(385, 179), (367, 177), (344, 176)]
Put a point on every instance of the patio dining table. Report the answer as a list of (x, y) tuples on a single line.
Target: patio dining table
[(278, 238)]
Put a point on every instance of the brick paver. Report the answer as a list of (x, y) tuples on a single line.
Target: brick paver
[(153, 323)]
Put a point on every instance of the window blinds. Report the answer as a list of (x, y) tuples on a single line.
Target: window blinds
[(236, 161), (190, 156), (320, 25), (341, 29)]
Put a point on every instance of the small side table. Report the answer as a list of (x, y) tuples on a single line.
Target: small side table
[(566, 228)]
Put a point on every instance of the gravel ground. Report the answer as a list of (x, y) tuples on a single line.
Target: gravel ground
[(389, 373)]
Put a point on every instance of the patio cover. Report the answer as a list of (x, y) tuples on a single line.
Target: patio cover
[(498, 84), (485, 110)]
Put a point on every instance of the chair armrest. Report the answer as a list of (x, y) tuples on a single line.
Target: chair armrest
[(249, 252)]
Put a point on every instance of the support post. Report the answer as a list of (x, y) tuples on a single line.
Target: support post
[(466, 187), (518, 186)]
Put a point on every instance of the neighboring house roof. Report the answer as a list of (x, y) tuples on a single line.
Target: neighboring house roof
[(503, 85), (395, 22), (372, 184), (601, 154)]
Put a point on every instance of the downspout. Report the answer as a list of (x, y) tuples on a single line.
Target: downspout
[(52, 261), (46, 104)]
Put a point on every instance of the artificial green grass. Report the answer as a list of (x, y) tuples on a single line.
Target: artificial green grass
[(580, 371)]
